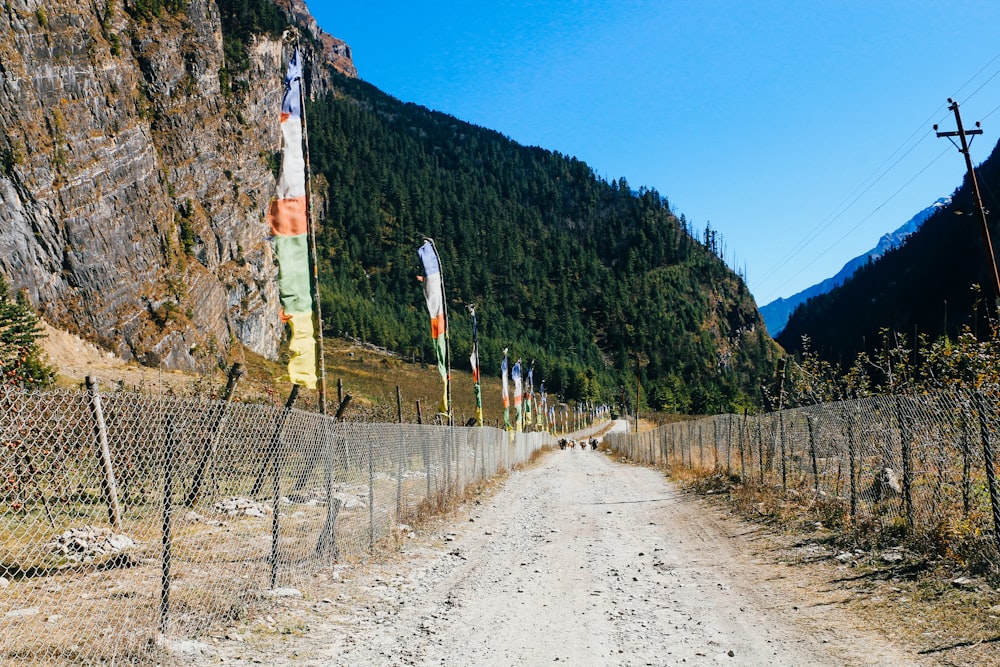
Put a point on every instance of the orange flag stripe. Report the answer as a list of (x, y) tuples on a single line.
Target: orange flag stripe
[(287, 217), (437, 326)]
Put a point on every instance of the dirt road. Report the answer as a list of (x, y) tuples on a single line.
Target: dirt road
[(581, 560)]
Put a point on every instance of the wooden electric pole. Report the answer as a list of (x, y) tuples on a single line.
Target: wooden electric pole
[(963, 148)]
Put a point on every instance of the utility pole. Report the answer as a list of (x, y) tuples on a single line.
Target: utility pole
[(984, 228)]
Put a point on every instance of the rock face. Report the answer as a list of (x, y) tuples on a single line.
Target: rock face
[(133, 183)]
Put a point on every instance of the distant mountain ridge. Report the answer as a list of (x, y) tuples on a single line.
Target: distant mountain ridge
[(777, 312)]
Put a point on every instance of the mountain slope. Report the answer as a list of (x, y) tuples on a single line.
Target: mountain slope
[(138, 156), (777, 312), (578, 274)]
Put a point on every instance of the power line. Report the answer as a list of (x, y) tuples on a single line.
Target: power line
[(871, 181), (867, 217)]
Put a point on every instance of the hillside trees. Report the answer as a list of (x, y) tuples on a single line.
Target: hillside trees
[(566, 269), (933, 285)]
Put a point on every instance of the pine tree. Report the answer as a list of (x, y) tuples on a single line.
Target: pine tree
[(21, 362)]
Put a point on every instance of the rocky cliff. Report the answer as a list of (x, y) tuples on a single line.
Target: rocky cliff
[(134, 179)]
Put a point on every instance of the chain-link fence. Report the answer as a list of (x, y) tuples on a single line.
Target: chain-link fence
[(127, 519), (921, 467)]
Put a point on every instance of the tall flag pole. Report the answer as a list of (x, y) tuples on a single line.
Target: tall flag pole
[(529, 395), (504, 393), (437, 308), (515, 374), (474, 360), (289, 222)]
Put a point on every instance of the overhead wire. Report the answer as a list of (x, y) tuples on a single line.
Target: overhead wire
[(865, 219), (872, 180)]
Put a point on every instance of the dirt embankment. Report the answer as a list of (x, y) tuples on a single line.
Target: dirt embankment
[(75, 359)]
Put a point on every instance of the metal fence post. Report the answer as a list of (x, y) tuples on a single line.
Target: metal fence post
[(272, 448), (399, 449), (275, 507), (760, 446), (812, 453), (715, 444), (743, 459), (371, 495), (701, 448), (425, 447), (327, 543), (729, 444), (447, 465), (781, 435), (852, 457), (907, 454), (220, 420), (274, 456), (988, 461), (168, 492), (965, 442)]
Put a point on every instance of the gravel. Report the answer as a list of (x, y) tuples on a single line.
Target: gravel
[(577, 560)]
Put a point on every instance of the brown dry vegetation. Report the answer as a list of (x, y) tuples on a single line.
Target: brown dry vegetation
[(368, 374)]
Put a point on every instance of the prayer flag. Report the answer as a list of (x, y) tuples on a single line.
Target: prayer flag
[(504, 391), (515, 375), (288, 220), (434, 294)]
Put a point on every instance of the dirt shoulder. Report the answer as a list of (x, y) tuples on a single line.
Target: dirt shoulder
[(578, 559)]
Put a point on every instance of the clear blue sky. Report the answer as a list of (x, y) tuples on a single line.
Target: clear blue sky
[(799, 130)]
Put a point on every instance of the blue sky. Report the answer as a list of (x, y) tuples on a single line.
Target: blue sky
[(800, 131)]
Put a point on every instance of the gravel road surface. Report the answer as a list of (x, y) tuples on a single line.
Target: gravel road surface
[(579, 560)]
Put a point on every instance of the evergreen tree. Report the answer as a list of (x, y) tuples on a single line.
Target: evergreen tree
[(21, 361)]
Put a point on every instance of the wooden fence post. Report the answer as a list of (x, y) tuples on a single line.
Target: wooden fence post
[(109, 484)]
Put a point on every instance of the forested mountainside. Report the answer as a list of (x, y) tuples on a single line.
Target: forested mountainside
[(580, 275), (936, 283), (777, 312), (139, 154)]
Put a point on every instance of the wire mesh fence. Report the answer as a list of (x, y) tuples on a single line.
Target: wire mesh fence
[(127, 520), (918, 467)]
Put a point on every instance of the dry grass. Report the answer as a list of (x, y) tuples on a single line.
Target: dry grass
[(370, 375)]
